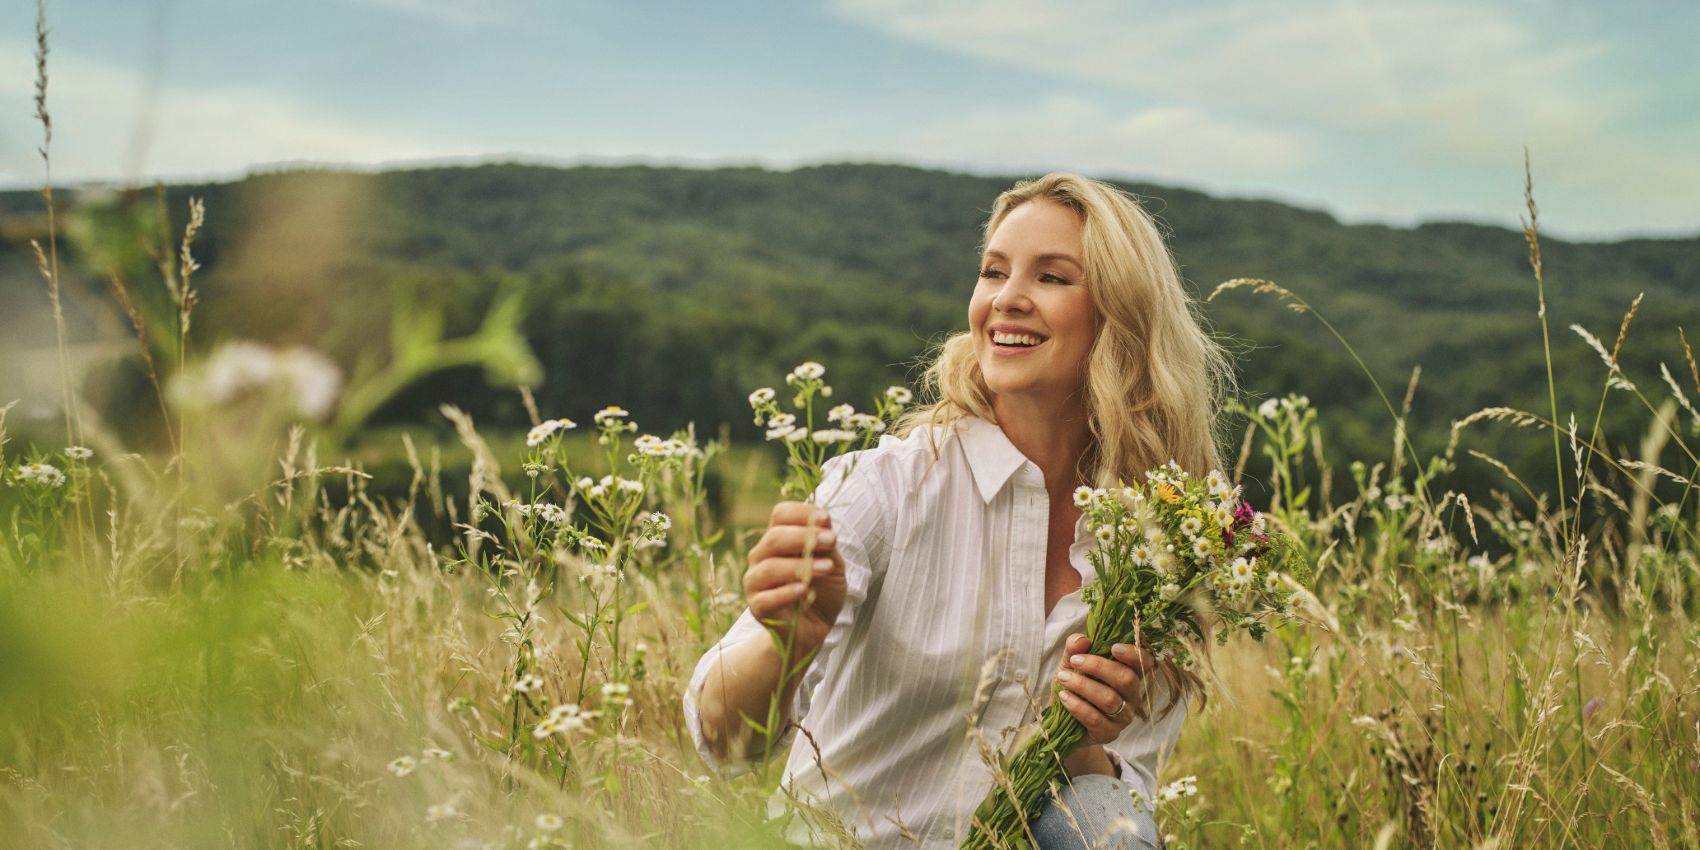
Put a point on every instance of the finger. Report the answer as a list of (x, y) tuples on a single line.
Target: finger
[(1103, 697), (788, 541), (1123, 678), (777, 602), (1141, 661), (799, 513), (1097, 725), (773, 572), (1076, 643)]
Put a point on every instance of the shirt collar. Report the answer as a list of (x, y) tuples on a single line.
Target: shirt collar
[(991, 456)]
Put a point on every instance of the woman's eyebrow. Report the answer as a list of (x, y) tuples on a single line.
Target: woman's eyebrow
[(1042, 257)]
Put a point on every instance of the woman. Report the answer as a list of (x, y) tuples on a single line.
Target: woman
[(940, 598)]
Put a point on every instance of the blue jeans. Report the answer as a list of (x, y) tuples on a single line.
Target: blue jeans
[(1105, 813)]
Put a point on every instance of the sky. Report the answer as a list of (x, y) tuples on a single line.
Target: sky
[(1392, 112)]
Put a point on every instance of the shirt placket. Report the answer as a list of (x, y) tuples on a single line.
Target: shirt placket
[(1029, 530)]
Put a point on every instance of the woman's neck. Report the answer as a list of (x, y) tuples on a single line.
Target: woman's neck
[(1052, 436)]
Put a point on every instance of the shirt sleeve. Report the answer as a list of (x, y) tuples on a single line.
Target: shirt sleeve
[(857, 494), (1143, 746)]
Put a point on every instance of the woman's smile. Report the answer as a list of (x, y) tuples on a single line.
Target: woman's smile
[(1032, 313)]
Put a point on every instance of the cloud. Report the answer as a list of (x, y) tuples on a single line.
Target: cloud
[(453, 13), (1449, 89), (98, 109), (1076, 132)]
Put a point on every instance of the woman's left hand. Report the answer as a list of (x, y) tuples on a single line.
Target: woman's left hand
[(1104, 694)]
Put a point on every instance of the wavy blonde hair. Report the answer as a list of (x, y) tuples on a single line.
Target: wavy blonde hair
[(1155, 379)]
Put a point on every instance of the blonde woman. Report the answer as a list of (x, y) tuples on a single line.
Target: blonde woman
[(941, 599)]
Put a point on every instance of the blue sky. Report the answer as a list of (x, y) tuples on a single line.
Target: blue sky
[(1392, 112)]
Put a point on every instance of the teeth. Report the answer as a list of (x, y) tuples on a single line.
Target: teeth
[(1015, 339)]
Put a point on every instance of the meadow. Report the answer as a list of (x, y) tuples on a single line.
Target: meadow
[(253, 626), (243, 643)]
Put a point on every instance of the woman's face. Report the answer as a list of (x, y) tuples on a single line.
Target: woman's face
[(1033, 288)]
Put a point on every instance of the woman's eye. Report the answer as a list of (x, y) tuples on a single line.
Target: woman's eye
[(989, 272), (1055, 278)]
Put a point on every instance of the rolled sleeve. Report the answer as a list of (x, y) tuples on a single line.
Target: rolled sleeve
[(1142, 747)]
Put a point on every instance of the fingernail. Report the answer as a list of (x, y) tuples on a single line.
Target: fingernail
[(823, 566), (819, 517), (1119, 650), (809, 599), (1077, 660), (1064, 676), (826, 538)]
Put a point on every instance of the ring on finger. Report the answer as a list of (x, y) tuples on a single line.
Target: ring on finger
[(1119, 709)]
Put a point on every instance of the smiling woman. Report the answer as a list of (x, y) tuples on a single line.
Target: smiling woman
[(940, 608)]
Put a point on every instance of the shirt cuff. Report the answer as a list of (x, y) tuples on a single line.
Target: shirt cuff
[(1115, 762)]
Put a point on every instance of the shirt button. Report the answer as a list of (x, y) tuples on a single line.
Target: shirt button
[(1021, 675)]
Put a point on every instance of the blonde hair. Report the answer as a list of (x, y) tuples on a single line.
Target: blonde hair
[(1155, 379)]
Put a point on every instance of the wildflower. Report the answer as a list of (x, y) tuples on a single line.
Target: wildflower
[(654, 525), (1591, 706), (833, 435), (781, 426), (808, 371), (867, 422), (761, 396), (1165, 562), (528, 683), (841, 413), (630, 486), (1223, 516), (403, 765), (592, 544), (79, 452), (723, 600), (797, 435), (1272, 582), (1201, 548), (1082, 496), (647, 444), (1143, 555), (547, 429), (1241, 570), (898, 395), (554, 514), (1217, 483), (549, 823), (440, 811), (1269, 408), (1186, 786), (609, 416), (1168, 493), (437, 753), (1168, 591), (1191, 526), (564, 718), (617, 693), (44, 474), (1105, 535)]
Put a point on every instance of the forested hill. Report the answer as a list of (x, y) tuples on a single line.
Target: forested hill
[(675, 291)]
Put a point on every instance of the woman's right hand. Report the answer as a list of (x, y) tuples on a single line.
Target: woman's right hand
[(795, 589)]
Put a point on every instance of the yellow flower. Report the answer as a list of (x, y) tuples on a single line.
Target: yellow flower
[(1168, 493)]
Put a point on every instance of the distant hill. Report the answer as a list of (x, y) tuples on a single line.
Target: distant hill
[(675, 291)]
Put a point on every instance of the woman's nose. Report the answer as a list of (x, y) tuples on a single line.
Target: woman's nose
[(1011, 296)]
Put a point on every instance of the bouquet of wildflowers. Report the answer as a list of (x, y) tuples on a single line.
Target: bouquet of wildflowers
[(1177, 558)]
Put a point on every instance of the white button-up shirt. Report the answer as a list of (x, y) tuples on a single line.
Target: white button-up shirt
[(944, 621)]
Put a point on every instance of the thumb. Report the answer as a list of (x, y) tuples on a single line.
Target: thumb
[(1077, 643)]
